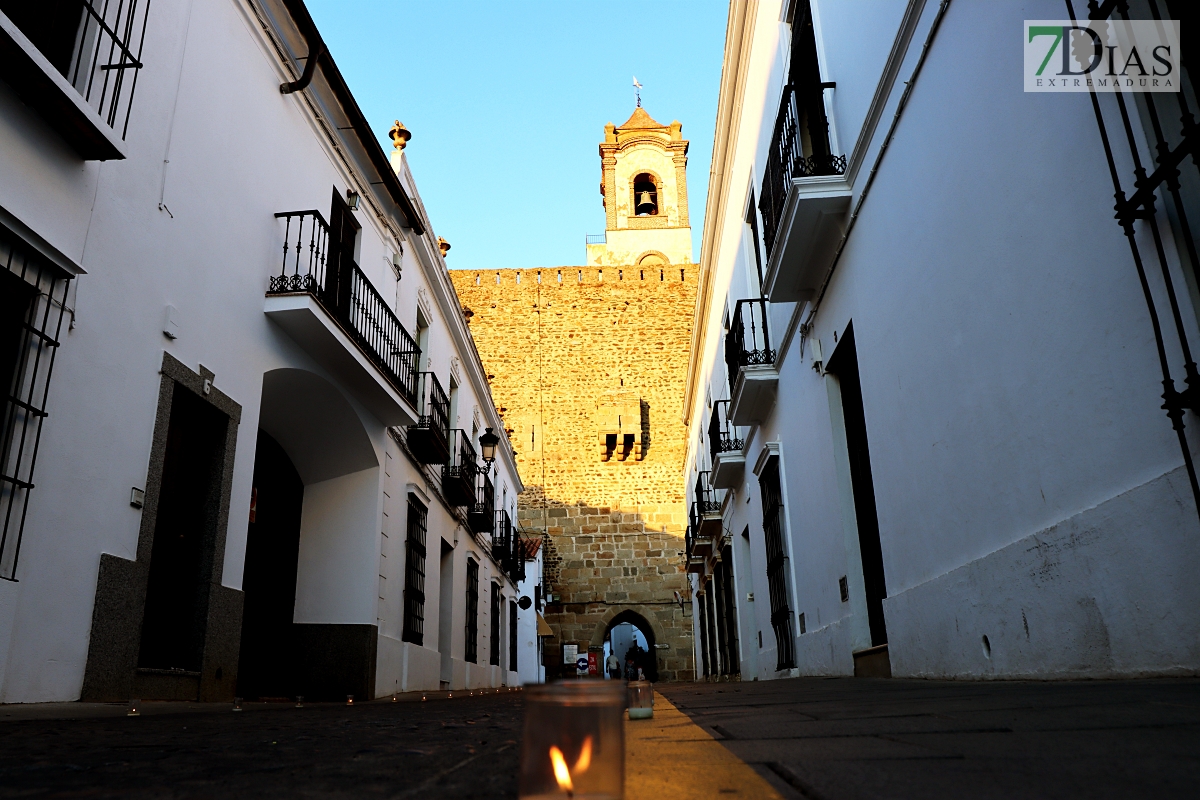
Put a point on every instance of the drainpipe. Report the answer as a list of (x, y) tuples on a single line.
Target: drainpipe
[(316, 46)]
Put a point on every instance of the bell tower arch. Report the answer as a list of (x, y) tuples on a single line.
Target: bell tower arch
[(643, 185)]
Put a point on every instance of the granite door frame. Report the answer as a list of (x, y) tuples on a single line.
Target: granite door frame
[(112, 673)]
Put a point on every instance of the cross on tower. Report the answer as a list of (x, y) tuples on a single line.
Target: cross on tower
[(637, 90)]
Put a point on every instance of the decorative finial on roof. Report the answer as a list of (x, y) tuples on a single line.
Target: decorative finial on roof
[(444, 246), (637, 90), (399, 135)]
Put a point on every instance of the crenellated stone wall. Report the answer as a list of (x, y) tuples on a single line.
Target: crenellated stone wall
[(570, 360)]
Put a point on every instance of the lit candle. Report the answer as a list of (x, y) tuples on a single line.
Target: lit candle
[(573, 745)]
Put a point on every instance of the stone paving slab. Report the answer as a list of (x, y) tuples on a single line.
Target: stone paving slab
[(669, 756), (834, 738)]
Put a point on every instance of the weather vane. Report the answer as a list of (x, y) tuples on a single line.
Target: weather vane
[(637, 90)]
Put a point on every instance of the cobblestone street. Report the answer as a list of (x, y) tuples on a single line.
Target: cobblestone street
[(822, 739), (464, 747)]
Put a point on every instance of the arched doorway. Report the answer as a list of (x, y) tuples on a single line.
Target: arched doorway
[(307, 628), (269, 580), (642, 639)]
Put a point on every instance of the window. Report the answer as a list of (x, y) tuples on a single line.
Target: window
[(95, 45), (414, 573), (495, 640), (472, 643), (645, 195), (781, 613), (32, 300)]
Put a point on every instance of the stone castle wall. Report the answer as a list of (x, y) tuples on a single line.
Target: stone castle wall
[(582, 358)]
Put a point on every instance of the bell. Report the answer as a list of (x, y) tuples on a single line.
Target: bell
[(645, 203)]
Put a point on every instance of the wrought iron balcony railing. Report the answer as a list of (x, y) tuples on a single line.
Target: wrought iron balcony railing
[(706, 501), (429, 439), (482, 516), (458, 474), (722, 434), (96, 45), (312, 264), (787, 160), (748, 342)]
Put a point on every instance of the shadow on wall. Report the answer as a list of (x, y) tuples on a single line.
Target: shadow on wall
[(604, 566)]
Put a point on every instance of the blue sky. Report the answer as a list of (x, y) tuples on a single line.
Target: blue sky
[(507, 104)]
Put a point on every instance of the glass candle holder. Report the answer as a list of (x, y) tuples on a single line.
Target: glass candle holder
[(641, 699), (574, 741)]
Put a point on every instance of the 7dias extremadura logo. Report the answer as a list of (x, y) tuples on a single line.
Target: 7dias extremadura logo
[(1063, 55)]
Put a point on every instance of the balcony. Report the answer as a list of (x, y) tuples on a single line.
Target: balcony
[(482, 516), (458, 474), (728, 460), (77, 68), (803, 201), (516, 565), (429, 439), (706, 520), (328, 306), (750, 361), (695, 563)]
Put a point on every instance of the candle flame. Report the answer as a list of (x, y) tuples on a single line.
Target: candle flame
[(585, 757), (561, 773)]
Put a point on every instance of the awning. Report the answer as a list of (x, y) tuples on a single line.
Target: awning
[(544, 628)]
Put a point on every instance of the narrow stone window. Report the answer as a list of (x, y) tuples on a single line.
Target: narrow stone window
[(476, 280), (620, 274), (661, 276), (497, 278), (518, 279), (540, 275), (642, 274), (581, 276), (599, 274), (681, 273), (560, 276)]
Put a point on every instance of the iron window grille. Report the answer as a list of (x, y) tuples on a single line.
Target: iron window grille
[(722, 435), (33, 295), (95, 44), (704, 652), (495, 639), (1173, 140), (729, 612), (414, 573), (800, 144), (341, 288), (472, 644), (512, 636), (781, 612), (748, 342)]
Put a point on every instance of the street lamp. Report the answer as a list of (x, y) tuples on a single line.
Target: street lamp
[(487, 445)]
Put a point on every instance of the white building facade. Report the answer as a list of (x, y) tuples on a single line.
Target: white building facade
[(245, 426), (939, 409)]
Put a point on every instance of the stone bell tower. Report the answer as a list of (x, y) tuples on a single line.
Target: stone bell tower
[(644, 189)]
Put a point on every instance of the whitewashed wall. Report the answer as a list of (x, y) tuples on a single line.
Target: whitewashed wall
[(1028, 485), (187, 220)]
